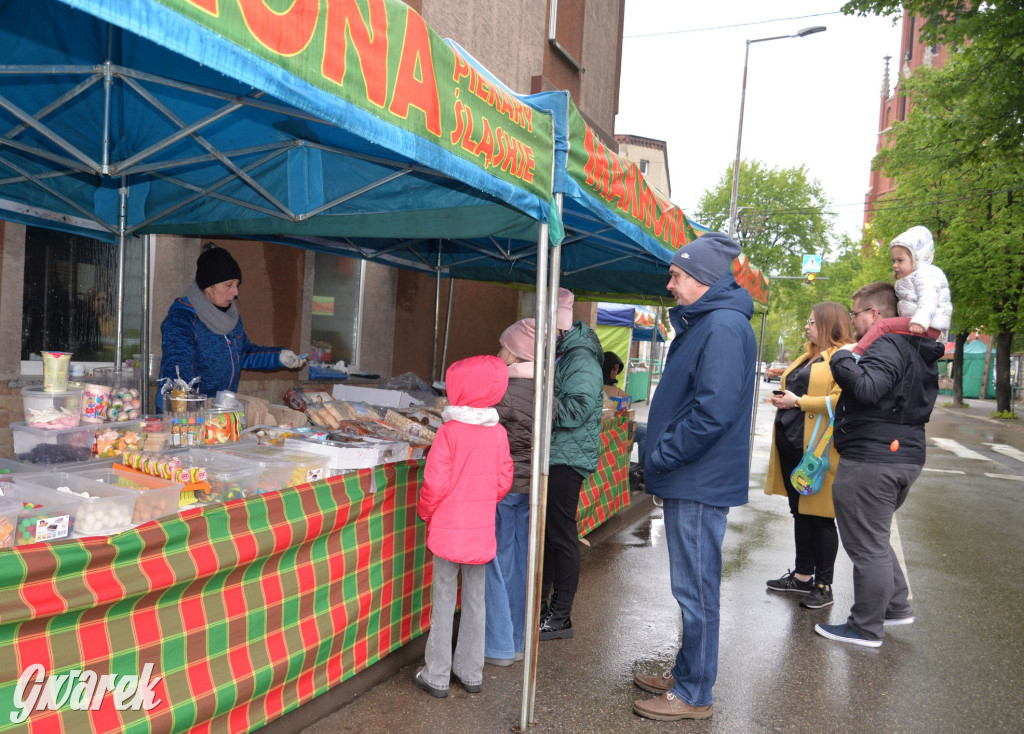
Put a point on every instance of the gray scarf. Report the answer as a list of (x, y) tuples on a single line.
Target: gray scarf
[(217, 321)]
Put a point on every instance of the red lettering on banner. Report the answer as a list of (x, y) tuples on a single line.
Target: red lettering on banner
[(415, 85), (370, 41), (286, 33), (596, 168), (615, 190), (210, 6), (486, 145)]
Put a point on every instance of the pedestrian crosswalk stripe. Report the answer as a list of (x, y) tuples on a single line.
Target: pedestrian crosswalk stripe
[(944, 471), (957, 448), (1005, 450), (1012, 477)]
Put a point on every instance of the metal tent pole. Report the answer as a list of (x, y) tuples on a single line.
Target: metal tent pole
[(122, 226), (544, 349), (437, 315), (144, 334), (757, 372)]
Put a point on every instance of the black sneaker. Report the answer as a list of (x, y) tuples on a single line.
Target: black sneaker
[(819, 598), (789, 582)]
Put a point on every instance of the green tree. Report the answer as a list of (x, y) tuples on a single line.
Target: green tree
[(781, 215), (957, 165)]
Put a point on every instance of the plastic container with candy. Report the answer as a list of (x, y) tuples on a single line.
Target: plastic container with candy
[(95, 402), (102, 508), (52, 410), (282, 467), (229, 477), (41, 446), (153, 497), (44, 514), (9, 511)]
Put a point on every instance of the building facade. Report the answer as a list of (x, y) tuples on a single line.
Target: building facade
[(894, 106)]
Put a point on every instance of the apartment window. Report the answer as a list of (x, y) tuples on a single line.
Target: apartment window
[(337, 289), (69, 302), (643, 166), (565, 29)]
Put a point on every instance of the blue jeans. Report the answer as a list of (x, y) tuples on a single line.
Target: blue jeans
[(505, 588), (640, 437), (694, 532)]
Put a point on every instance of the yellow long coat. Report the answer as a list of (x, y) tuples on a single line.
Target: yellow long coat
[(819, 385)]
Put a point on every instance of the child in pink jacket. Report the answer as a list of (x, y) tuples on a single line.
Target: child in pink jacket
[(468, 471)]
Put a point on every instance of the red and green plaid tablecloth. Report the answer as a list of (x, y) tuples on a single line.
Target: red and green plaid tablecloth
[(246, 609), (606, 491)]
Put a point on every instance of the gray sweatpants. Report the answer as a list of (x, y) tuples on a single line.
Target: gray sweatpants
[(468, 663), (866, 496)]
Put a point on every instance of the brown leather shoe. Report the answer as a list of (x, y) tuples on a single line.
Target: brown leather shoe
[(661, 683), (670, 708)]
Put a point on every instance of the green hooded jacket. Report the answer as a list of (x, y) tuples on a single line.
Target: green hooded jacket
[(579, 398)]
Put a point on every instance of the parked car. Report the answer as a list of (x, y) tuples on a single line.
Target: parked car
[(773, 372)]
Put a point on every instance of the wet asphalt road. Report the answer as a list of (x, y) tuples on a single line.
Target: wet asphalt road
[(959, 668)]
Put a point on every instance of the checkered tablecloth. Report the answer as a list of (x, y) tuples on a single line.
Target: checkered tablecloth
[(246, 609), (606, 491)]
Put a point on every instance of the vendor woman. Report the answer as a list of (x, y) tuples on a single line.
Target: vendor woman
[(203, 336)]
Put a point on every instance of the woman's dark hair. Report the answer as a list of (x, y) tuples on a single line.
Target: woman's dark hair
[(611, 361)]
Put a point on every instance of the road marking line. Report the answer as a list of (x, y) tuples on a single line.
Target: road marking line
[(1005, 450), (1013, 477), (957, 448), (944, 471)]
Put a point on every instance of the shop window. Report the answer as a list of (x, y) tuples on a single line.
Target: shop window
[(337, 300), (70, 298)]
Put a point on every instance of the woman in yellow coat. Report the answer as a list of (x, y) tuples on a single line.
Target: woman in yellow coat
[(801, 399)]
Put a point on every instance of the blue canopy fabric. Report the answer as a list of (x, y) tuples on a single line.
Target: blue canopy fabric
[(211, 139)]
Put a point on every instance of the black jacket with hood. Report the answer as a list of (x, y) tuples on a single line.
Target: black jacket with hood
[(888, 395)]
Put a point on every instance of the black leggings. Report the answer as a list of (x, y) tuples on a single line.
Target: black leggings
[(817, 540), (561, 534)]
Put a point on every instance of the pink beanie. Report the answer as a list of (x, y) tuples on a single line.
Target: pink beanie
[(564, 319), (518, 339)]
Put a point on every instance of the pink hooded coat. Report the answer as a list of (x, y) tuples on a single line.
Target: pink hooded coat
[(469, 468)]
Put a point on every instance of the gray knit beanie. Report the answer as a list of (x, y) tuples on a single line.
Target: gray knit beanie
[(708, 257)]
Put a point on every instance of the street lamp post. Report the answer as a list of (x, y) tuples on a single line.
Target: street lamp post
[(739, 134)]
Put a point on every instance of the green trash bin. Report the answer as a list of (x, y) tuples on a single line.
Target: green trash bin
[(638, 384)]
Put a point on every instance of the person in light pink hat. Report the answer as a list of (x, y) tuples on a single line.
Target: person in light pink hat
[(505, 589), (575, 450), (563, 321)]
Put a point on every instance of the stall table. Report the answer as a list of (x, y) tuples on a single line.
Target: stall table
[(246, 610)]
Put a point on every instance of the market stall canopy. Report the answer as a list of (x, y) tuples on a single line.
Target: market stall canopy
[(639, 319), (318, 120)]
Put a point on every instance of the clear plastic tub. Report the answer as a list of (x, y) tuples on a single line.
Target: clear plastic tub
[(282, 467), (103, 508), (52, 410), (154, 497), (9, 511), (40, 446), (229, 477), (43, 514)]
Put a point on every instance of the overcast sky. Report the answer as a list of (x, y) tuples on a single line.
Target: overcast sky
[(811, 101)]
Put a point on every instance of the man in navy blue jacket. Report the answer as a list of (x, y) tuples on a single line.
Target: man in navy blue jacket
[(697, 459)]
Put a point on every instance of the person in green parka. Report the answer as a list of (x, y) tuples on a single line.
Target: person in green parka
[(575, 451)]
